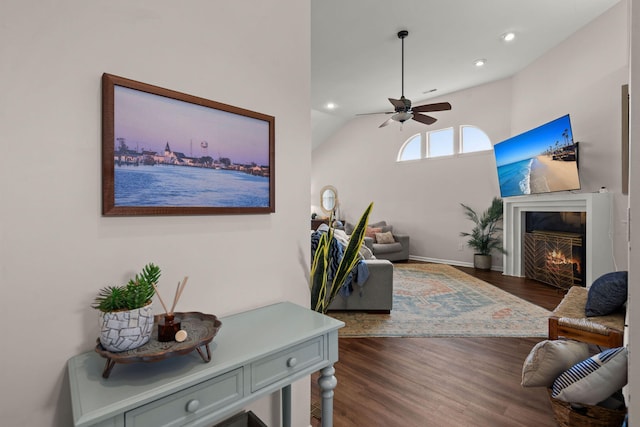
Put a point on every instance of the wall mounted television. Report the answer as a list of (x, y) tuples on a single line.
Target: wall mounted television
[(541, 160)]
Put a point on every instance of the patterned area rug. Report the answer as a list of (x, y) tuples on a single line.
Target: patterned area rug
[(438, 300)]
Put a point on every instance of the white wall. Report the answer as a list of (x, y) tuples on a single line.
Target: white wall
[(417, 197), (581, 76), (634, 203), (56, 250)]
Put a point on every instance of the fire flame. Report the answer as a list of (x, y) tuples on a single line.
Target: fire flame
[(557, 258)]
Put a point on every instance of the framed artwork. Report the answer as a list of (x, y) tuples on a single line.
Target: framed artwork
[(169, 153)]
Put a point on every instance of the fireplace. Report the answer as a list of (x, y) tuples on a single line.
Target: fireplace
[(554, 247), (596, 245), (554, 258)]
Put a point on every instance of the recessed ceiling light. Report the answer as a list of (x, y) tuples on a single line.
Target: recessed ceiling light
[(331, 105), (508, 36), (480, 62)]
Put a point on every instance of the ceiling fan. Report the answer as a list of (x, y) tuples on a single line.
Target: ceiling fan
[(402, 107)]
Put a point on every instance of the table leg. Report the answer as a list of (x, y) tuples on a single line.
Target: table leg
[(327, 383), (205, 357), (107, 368), (286, 406)]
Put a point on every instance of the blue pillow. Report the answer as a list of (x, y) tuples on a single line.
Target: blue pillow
[(607, 294)]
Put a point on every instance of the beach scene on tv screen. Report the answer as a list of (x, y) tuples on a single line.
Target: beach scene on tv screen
[(542, 160)]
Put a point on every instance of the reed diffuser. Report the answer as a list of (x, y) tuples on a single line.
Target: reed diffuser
[(169, 329)]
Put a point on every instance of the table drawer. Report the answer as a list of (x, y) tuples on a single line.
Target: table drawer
[(279, 365), (190, 404)]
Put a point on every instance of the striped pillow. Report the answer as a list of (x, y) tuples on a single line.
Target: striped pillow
[(593, 380)]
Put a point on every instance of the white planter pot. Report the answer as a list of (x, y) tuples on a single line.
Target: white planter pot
[(126, 330), (482, 262)]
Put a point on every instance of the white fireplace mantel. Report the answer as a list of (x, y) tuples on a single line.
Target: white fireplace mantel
[(599, 245)]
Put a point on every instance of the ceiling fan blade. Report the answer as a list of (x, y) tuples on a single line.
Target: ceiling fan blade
[(439, 106), (380, 112), (398, 103), (423, 118), (386, 122)]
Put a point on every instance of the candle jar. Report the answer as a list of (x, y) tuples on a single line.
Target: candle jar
[(167, 328)]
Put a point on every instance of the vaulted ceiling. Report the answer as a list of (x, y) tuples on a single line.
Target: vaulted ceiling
[(356, 53)]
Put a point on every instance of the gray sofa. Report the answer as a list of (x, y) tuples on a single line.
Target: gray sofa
[(396, 251), (376, 295)]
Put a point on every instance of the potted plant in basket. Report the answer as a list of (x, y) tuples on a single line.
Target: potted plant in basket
[(484, 236), (126, 312), (323, 284)]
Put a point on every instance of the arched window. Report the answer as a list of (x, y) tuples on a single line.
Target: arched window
[(473, 139), (411, 149), (440, 143)]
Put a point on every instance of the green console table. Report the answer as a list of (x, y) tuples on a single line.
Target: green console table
[(254, 354)]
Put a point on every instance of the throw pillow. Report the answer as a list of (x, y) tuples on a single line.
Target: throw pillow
[(371, 232), (385, 237), (549, 358), (607, 294), (593, 380)]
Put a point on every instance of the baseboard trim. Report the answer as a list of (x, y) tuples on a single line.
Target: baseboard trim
[(450, 262)]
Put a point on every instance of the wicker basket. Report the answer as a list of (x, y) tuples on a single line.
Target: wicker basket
[(567, 415)]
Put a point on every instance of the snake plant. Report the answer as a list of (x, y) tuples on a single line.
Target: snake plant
[(323, 288)]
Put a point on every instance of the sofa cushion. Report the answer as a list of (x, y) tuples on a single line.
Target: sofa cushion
[(385, 238), (594, 379), (378, 224), (383, 225), (386, 248), (549, 358), (607, 294)]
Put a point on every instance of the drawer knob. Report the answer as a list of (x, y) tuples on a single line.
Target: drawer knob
[(292, 362), (192, 405)]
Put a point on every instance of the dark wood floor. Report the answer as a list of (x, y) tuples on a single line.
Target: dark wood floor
[(446, 382)]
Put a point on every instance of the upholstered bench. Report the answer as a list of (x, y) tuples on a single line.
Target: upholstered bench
[(570, 321)]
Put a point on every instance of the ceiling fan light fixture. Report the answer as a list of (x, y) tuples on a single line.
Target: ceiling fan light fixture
[(402, 117)]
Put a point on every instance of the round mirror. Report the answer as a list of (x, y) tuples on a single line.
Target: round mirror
[(328, 199)]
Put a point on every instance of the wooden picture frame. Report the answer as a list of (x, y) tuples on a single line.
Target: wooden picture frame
[(169, 153)]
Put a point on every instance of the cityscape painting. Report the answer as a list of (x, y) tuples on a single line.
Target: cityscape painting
[(169, 153)]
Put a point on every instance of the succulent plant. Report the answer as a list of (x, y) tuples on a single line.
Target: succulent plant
[(135, 294)]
